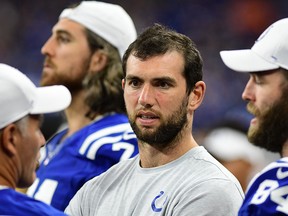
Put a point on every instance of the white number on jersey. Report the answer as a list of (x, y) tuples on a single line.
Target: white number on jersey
[(278, 195), (45, 192)]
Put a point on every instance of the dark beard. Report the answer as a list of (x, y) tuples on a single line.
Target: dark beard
[(273, 129), (74, 84), (167, 133)]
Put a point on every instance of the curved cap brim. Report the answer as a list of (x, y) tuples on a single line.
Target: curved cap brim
[(245, 61), (51, 99)]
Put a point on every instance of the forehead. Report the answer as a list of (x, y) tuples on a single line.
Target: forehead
[(276, 77), (168, 64), (68, 26)]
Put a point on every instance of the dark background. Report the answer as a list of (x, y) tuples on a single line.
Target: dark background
[(213, 25)]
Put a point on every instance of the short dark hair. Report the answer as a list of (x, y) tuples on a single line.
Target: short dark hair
[(158, 40)]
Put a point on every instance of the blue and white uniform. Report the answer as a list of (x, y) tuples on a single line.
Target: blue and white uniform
[(267, 193), (15, 203), (68, 164)]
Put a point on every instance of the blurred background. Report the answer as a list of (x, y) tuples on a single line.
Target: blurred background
[(212, 25)]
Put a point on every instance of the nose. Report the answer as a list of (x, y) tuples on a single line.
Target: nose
[(47, 48), (146, 96), (248, 94)]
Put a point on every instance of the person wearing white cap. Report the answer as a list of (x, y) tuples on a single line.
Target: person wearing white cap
[(267, 96), (172, 175), (84, 53), (22, 106)]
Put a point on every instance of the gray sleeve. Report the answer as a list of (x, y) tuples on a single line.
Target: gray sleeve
[(215, 197), (75, 207)]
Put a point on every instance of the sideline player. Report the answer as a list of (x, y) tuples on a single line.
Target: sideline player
[(267, 96), (84, 54), (22, 107)]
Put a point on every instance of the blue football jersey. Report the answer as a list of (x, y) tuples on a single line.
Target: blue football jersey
[(268, 191), (87, 153), (15, 203)]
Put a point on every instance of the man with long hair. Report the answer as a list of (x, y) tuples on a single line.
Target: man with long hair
[(84, 54)]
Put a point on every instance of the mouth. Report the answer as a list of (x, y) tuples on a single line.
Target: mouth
[(47, 66), (253, 121), (47, 63), (147, 115), (147, 118), (253, 111)]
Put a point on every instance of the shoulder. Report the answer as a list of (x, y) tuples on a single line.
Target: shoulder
[(204, 164), (211, 175), (113, 174), (276, 171), (111, 125), (219, 196), (201, 171), (13, 202), (109, 138), (98, 186), (267, 190)]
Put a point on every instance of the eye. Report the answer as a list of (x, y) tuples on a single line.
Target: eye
[(63, 39), (163, 84), (134, 83), (258, 80)]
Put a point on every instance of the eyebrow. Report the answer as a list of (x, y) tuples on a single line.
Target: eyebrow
[(129, 77), (61, 31), (164, 78), (262, 73), (39, 117)]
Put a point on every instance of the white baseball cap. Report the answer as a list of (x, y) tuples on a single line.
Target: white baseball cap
[(109, 21), (269, 52), (20, 97)]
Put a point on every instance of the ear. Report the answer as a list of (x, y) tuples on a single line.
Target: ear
[(9, 139), (197, 95), (123, 84), (98, 61)]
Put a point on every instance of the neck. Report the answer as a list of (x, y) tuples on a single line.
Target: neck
[(6, 183), (153, 157), (7, 172), (76, 113)]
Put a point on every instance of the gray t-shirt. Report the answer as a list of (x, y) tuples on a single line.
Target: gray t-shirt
[(195, 184)]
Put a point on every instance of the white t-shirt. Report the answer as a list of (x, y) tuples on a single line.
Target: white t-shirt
[(195, 184)]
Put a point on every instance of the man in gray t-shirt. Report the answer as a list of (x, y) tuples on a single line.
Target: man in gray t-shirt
[(172, 175)]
